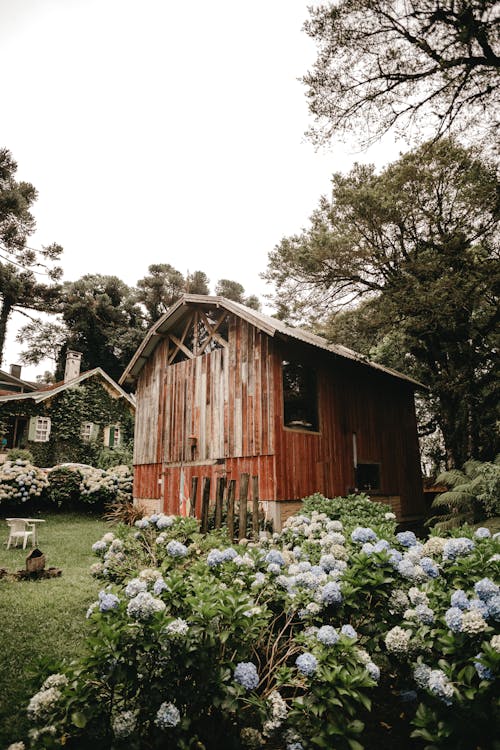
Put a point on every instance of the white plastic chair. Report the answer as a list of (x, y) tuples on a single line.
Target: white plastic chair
[(20, 529)]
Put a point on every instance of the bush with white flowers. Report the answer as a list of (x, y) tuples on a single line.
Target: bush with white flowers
[(299, 640), (20, 481)]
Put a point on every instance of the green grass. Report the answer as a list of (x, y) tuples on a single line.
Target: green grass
[(42, 622)]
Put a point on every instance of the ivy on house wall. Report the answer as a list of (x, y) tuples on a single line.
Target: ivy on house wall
[(89, 401)]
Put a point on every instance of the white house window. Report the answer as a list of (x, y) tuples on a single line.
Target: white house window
[(87, 432), (112, 436), (39, 429)]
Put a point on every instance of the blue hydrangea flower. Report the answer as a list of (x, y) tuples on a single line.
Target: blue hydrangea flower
[(453, 618), (440, 686), (429, 567), (159, 586), (373, 670), (246, 675), (367, 548), (99, 546), (327, 562), (306, 663), (486, 588), (406, 568), (382, 546), (176, 549), (330, 593), (494, 607), (458, 547), (421, 675), (274, 569), (484, 673), (425, 614), (327, 635), (395, 557), (459, 599), (406, 538), (107, 601), (142, 523), (275, 557), (481, 606), (164, 522), (153, 518), (167, 716), (348, 631), (229, 554), (214, 558), (482, 533), (134, 586), (363, 534)]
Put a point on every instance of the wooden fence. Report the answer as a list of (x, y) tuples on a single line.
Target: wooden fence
[(226, 504)]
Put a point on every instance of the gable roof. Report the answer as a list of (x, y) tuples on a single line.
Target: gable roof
[(50, 390), (265, 323), (7, 377)]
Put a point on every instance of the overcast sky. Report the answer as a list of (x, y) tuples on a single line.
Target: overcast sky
[(163, 132)]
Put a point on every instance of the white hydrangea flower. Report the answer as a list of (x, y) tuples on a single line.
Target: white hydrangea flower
[(473, 622), (397, 640), (495, 643), (418, 597)]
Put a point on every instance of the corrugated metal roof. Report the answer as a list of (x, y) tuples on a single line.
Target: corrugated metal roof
[(271, 326)]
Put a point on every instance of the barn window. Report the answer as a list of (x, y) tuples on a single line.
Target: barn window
[(300, 396), (368, 477), (88, 432)]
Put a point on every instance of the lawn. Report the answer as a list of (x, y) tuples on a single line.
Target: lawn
[(43, 621)]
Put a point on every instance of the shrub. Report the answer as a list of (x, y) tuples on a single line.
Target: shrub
[(20, 482), (281, 643), (13, 454), (64, 487), (473, 495), (353, 510)]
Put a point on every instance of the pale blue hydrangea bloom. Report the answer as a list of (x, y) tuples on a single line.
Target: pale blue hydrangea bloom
[(134, 586), (395, 557), (458, 547), (484, 673), (274, 569), (421, 675), (327, 562), (327, 635), (459, 599), (294, 746), (453, 618), (142, 523), (363, 534), (229, 554), (176, 549), (373, 670), (214, 558), (144, 605), (406, 568), (429, 567), (246, 675), (425, 614), (367, 548), (440, 686), (159, 586), (99, 546), (304, 566), (348, 631), (275, 557), (494, 607), (482, 533), (382, 546), (481, 606), (154, 518), (107, 601), (486, 588), (176, 628), (330, 593), (167, 716), (164, 522), (406, 538), (306, 663)]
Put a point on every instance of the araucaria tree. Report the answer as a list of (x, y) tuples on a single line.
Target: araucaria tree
[(418, 242), (382, 63), (27, 276)]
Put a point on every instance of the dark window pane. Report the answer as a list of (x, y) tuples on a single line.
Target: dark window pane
[(300, 396), (368, 476)]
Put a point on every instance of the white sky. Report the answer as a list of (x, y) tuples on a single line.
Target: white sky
[(163, 132)]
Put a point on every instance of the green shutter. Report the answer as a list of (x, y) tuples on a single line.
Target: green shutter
[(32, 428)]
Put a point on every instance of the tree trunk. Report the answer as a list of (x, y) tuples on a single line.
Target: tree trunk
[(5, 312)]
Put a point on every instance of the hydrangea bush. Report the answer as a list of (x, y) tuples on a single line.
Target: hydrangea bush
[(20, 482), (327, 635)]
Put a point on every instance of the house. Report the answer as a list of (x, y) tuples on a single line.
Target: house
[(67, 421), (223, 390), (10, 382)]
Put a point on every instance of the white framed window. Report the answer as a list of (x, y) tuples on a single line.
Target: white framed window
[(88, 432), (112, 436), (39, 429)]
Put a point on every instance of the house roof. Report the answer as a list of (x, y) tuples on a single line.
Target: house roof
[(7, 377), (50, 390), (265, 323)]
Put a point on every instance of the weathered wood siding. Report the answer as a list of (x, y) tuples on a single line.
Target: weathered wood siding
[(379, 410)]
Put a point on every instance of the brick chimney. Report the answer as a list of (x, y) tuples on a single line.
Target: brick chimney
[(15, 371), (72, 369)]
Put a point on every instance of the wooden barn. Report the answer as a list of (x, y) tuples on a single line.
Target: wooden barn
[(222, 390)]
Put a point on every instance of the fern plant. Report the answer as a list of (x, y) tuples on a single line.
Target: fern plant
[(473, 495)]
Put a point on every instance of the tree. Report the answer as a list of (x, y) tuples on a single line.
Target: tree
[(105, 321), (419, 242), (19, 264), (45, 340), (197, 283), (235, 291), (160, 289), (385, 63)]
